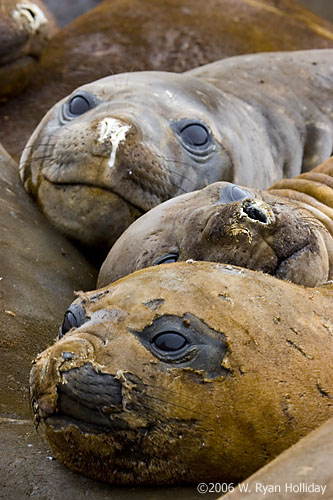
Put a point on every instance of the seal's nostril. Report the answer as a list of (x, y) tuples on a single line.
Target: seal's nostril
[(255, 212)]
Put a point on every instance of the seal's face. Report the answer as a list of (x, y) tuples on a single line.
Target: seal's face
[(25, 28), (181, 373), (116, 148), (230, 224)]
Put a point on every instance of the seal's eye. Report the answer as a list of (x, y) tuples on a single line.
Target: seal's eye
[(195, 134), (78, 105), (169, 342), (166, 259), (232, 192), (74, 317)]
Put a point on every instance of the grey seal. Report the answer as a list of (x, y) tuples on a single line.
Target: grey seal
[(286, 231), (119, 146)]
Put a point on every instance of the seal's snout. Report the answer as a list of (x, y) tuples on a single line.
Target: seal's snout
[(257, 211), (53, 368), (31, 16), (89, 396)]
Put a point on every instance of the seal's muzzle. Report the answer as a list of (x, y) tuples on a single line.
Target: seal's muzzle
[(88, 396)]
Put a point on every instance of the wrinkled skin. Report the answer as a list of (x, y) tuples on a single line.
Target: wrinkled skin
[(250, 380), (96, 170), (174, 35), (286, 231), (25, 28)]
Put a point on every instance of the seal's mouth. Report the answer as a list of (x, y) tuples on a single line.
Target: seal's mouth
[(66, 185), (88, 396), (284, 266), (60, 422)]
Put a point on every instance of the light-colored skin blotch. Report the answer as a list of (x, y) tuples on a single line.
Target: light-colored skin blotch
[(253, 377), (114, 131), (255, 125), (286, 231), (25, 30), (30, 16)]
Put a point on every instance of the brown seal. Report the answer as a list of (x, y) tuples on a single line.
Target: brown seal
[(39, 271), (286, 231), (119, 146), (174, 35), (186, 373), (304, 471), (25, 28)]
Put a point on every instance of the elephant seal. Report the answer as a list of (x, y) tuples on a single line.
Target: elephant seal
[(186, 372), (176, 35), (303, 471), (286, 231), (94, 164), (39, 271), (25, 28)]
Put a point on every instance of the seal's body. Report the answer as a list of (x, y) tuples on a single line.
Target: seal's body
[(175, 35), (25, 28), (203, 371), (95, 164), (39, 271), (286, 231), (284, 476)]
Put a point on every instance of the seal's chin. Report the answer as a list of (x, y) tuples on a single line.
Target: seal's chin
[(61, 422), (306, 266), (92, 216)]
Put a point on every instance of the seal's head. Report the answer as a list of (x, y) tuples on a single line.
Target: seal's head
[(185, 373), (25, 28), (231, 224), (121, 145)]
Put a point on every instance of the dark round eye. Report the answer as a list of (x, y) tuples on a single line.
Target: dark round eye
[(195, 134), (166, 259), (74, 317), (79, 105), (232, 192), (169, 342)]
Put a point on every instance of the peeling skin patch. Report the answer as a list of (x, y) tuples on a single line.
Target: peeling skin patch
[(225, 297), (154, 304), (230, 269), (29, 15), (115, 131)]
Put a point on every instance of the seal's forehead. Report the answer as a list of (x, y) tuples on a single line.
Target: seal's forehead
[(169, 289), (164, 86)]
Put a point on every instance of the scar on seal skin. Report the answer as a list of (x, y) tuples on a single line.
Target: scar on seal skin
[(198, 388), (243, 119), (286, 231), (25, 28)]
